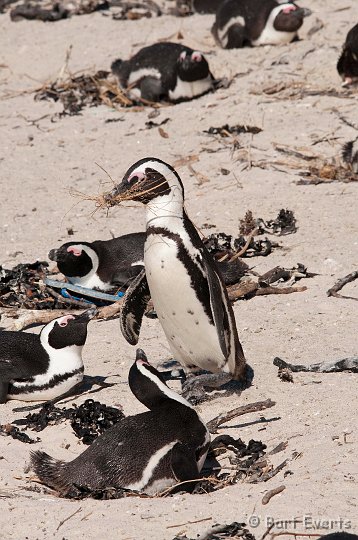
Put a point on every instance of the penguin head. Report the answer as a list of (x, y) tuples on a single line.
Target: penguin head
[(192, 66), (289, 17), (75, 259), (67, 331), (148, 385), (148, 179)]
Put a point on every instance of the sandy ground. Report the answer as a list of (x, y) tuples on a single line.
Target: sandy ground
[(41, 160)]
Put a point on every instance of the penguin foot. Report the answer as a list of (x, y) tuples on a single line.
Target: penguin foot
[(193, 387)]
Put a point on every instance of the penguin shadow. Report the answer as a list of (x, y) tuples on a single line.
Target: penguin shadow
[(174, 372), (85, 387)]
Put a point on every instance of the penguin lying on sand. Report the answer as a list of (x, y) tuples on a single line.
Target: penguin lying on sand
[(104, 265), (41, 367), (257, 22), (347, 65), (101, 265), (147, 452), (187, 290), (350, 154), (165, 71)]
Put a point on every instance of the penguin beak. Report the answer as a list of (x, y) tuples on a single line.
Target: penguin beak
[(303, 12), (86, 315), (141, 356), (117, 194)]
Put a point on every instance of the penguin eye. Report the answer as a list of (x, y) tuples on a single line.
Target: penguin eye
[(136, 176), (182, 56), (76, 251), (64, 321), (288, 9), (196, 56)]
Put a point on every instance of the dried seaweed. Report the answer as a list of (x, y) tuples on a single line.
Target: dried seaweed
[(217, 532), (23, 287), (324, 172), (227, 131), (16, 433), (88, 421), (85, 90), (225, 245), (105, 494), (345, 364)]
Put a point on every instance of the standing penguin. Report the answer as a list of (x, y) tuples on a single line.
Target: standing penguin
[(182, 279), (41, 367), (347, 65), (147, 452), (165, 71), (257, 22), (101, 264)]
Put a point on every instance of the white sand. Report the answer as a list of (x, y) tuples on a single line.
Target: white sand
[(41, 161)]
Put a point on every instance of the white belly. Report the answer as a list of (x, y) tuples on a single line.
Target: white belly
[(189, 90), (48, 393), (192, 339)]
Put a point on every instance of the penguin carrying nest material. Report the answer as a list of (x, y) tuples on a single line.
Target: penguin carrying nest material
[(183, 281)]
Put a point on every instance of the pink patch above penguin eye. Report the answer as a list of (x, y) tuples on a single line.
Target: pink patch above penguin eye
[(138, 175), (182, 56), (288, 9), (64, 321), (196, 57), (76, 251)]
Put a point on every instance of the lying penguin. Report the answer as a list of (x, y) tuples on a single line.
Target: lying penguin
[(347, 65), (41, 367), (104, 265), (147, 452), (165, 71), (101, 265), (350, 155), (257, 22), (183, 280)]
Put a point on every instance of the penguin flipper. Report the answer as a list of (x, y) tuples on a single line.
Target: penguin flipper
[(183, 463), (217, 298), (134, 305)]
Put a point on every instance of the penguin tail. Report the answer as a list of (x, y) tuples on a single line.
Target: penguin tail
[(50, 471)]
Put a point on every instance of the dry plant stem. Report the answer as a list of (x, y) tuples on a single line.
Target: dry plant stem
[(244, 249), (239, 411), (81, 304), (333, 291), (268, 496), (273, 473), (69, 517)]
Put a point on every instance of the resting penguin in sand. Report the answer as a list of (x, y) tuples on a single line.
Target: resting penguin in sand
[(165, 71), (147, 452), (101, 265), (347, 65), (104, 265), (182, 279), (41, 367), (257, 22)]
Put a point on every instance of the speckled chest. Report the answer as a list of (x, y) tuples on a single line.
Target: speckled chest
[(191, 334)]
